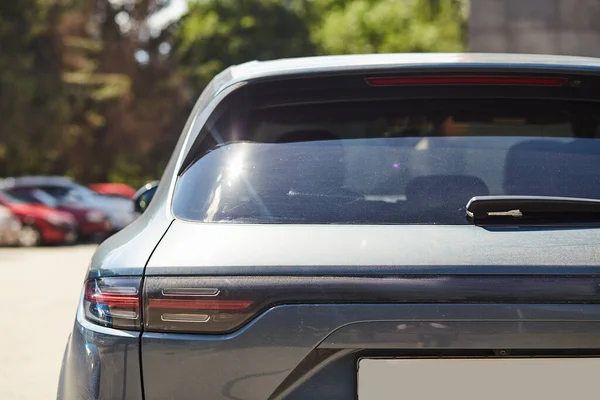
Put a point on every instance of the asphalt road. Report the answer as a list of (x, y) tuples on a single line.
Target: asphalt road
[(38, 297)]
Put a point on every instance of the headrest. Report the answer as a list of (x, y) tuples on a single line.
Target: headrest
[(552, 168), (436, 190), (531, 168)]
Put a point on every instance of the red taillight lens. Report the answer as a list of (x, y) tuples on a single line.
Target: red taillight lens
[(187, 304), (196, 306), (466, 80), (113, 302)]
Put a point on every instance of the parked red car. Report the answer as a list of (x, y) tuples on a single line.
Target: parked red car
[(40, 224), (91, 223), (113, 189)]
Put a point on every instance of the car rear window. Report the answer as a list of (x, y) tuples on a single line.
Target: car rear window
[(388, 162)]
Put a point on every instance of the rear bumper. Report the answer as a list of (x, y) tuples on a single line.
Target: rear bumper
[(100, 363), (310, 351)]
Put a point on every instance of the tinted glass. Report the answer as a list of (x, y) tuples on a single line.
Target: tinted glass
[(56, 191), (9, 198), (393, 162), (43, 197), (35, 196)]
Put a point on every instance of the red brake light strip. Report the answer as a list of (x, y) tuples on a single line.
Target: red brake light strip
[(199, 304), (466, 80), (114, 300)]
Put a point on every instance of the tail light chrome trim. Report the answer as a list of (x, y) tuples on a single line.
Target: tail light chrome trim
[(184, 317), (204, 292)]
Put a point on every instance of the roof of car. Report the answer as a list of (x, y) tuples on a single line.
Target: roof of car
[(323, 64), (38, 180)]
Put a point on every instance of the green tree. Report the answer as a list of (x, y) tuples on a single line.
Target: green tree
[(33, 105), (91, 90), (125, 100), (390, 26), (218, 33)]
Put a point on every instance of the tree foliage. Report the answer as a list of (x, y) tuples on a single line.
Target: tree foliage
[(33, 108), (219, 33), (391, 26), (93, 90)]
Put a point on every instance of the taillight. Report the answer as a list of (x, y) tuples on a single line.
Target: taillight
[(187, 305), (466, 80), (113, 302), (223, 304)]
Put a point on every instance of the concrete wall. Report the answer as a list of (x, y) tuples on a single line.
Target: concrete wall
[(535, 26)]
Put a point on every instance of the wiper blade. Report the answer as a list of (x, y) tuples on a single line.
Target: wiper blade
[(532, 210)]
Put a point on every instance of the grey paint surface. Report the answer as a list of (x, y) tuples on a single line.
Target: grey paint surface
[(206, 249), (374, 62), (472, 379), (253, 362), (100, 363)]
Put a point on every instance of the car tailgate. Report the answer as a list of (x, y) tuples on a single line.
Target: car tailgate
[(226, 249), (368, 293)]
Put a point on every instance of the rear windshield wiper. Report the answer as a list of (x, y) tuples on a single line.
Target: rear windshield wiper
[(532, 210)]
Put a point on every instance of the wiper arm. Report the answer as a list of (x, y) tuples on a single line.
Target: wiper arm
[(531, 210)]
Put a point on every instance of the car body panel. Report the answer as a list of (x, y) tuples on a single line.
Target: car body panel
[(100, 363), (348, 63), (128, 251), (253, 362), (343, 249)]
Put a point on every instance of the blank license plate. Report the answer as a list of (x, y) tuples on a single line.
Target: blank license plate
[(478, 379)]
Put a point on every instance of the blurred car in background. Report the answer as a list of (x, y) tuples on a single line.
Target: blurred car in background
[(40, 223), (9, 227), (113, 189), (73, 197), (91, 223)]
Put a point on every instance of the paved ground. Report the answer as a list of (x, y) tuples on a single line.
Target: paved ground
[(39, 291)]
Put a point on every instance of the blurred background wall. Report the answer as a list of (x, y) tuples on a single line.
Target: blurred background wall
[(569, 27)]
